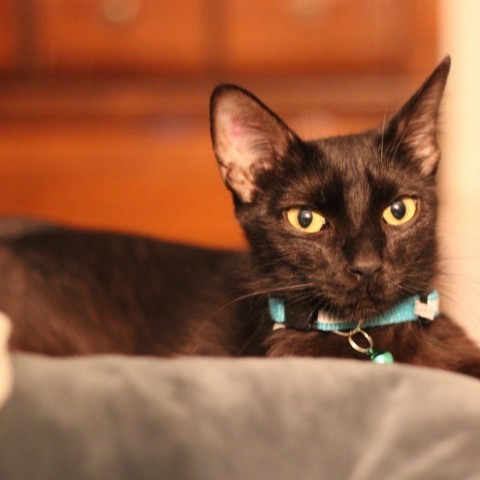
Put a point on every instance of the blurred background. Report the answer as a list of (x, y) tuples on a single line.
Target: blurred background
[(104, 105)]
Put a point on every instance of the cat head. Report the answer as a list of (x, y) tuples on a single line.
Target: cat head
[(346, 222)]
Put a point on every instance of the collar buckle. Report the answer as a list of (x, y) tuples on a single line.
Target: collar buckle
[(297, 316), (426, 308)]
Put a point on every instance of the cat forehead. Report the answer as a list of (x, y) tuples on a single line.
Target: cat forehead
[(349, 162), (351, 153), (348, 173), (364, 160)]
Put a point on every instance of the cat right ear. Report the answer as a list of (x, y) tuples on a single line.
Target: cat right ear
[(414, 127), (247, 138)]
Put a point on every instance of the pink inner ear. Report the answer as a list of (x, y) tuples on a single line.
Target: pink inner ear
[(237, 136), (236, 129)]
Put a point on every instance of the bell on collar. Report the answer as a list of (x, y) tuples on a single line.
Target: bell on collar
[(381, 357)]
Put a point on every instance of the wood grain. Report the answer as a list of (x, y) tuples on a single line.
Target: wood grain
[(77, 35)]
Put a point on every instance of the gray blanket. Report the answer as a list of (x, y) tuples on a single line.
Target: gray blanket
[(111, 417)]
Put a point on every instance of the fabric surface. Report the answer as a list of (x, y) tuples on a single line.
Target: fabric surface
[(111, 417), (5, 361)]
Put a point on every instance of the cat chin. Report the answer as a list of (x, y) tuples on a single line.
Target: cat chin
[(365, 301), (359, 313), (364, 309)]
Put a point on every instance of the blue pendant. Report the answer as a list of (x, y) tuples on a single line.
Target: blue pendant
[(383, 358)]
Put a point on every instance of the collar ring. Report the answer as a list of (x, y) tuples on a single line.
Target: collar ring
[(351, 340)]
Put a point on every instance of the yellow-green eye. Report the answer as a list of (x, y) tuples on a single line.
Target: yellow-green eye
[(305, 219), (401, 211)]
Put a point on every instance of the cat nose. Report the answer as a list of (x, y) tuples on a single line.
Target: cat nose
[(366, 266)]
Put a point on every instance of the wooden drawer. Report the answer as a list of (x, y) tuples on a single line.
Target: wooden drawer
[(125, 35), (121, 177), (349, 36), (9, 37)]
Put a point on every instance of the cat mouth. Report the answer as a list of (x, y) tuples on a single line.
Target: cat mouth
[(369, 301), (358, 312), (366, 309)]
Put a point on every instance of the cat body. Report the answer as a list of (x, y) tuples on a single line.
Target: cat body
[(343, 225), (76, 292)]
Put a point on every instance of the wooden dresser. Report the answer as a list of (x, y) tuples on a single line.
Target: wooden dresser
[(104, 103)]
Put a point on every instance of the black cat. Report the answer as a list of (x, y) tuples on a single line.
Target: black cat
[(342, 263)]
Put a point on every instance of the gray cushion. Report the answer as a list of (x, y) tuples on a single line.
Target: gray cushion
[(112, 417)]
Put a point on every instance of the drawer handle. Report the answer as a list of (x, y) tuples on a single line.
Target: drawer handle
[(120, 12)]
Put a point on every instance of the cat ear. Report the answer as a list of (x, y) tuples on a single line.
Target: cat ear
[(247, 138), (414, 127)]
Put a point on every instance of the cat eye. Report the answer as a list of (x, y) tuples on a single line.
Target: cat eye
[(305, 219), (401, 211)]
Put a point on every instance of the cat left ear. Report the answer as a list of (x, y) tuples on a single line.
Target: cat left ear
[(414, 127), (247, 138)]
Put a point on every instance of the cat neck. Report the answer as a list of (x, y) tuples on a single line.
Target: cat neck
[(303, 317)]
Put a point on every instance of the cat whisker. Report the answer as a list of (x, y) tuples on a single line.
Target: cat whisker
[(250, 295), (263, 321), (468, 306)]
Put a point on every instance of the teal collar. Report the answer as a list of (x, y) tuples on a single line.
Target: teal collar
[(412, 309)]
